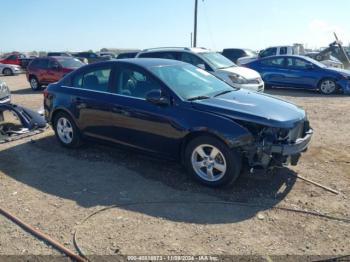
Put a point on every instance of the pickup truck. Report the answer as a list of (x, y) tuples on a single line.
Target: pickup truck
[(270, 51), (16, 59)]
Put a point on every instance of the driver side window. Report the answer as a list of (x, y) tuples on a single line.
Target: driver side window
[(135, 83), (192, 59)]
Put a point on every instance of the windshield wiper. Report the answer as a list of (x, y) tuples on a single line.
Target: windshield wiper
[(198, 98), (223, 92)]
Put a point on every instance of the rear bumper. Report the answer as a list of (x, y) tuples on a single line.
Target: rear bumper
[(298, 147)]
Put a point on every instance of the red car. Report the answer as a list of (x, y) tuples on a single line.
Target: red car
[(13, 59), (46, 70)]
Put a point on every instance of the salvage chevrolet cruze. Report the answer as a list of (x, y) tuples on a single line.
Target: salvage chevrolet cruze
[(180, 111)]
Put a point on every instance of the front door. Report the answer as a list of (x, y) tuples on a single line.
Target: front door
[(138, 122)]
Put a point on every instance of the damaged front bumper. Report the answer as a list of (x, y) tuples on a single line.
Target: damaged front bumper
[(17, 121), (270, 150)]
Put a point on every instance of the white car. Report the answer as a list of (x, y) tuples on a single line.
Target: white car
[(9, 70), (213, 62)]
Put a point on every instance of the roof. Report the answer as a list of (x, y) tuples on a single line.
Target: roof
[(192, 49), (143, 62)]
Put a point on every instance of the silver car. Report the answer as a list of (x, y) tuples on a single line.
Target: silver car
[(5, 94), (9, 70)]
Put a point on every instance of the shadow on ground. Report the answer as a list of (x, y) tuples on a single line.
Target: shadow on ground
[(101, 175)]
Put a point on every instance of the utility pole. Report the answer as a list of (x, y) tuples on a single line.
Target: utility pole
[(195, 23)]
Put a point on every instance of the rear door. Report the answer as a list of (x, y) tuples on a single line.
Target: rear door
[(273, 70), (91, 100), (42, 70)]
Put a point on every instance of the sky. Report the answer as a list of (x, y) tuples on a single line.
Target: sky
[(78, 25)]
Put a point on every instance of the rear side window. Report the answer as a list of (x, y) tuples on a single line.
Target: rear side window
[(42, 63), (268, 52), (163, 55), (273, 62), (283, 50), (95, 79)]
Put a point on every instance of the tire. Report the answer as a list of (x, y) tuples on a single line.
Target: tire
[(327, 86), (7, 72), (66, 131), (34, 83), (228, 161)]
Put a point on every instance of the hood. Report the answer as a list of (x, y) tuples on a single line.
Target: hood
[(253, 107), (339, 70), (247, 73)]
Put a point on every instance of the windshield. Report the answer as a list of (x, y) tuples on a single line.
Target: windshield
[(315, 62), (69, 62), (188, 81), (218, 61)]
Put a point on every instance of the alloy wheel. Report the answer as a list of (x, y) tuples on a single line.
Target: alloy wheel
[(64, 130), (328, 86), (34, 83), (208, 162)]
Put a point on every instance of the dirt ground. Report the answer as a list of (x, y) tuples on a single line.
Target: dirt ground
[(54, 189)]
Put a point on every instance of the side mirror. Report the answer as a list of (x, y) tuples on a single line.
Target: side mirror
[(201, 66), (155, 97)]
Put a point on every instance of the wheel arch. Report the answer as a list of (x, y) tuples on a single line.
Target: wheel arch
[(9, 68), (56, 112), (231, 142)]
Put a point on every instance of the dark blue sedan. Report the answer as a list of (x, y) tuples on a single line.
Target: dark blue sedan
[(177, 110), (301, 72)]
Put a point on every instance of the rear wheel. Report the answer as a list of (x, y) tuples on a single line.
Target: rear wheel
[(34, 83), (7, 72), (328, 86), (211, 162), (66, 131)]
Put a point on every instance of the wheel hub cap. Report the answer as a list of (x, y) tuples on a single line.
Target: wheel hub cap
[(65, 130), (209, 163)]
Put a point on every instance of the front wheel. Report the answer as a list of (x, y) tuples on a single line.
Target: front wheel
[(328, 86), (66, 131), (211, 162)]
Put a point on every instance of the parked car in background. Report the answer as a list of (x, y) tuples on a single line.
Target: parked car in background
[(16, 59), (58, 54), (9, 69), (180, 111), (45, 70), (329, 61), (5, 94), (110, 55), (90, 57), (212, 62), (270, 51), (235, 53), (127, 55), (301, 72)]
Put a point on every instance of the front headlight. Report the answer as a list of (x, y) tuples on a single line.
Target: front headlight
[(237, 79)]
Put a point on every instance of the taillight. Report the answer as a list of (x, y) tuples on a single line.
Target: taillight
[(46, 93)]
